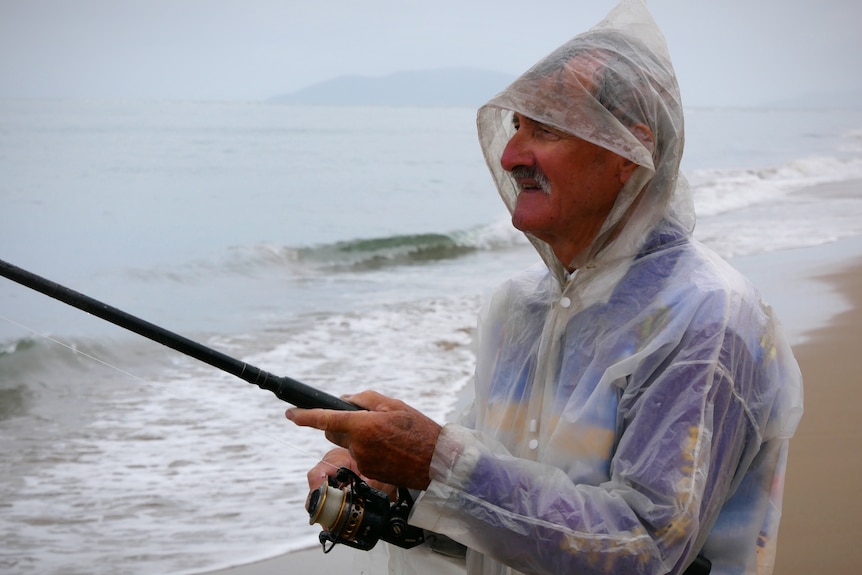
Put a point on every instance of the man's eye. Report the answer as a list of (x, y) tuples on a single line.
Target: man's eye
[(548, 133)]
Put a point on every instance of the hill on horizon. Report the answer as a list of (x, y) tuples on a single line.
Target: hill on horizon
[(472, 87), (441, 87)]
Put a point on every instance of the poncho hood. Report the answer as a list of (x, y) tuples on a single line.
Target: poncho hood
[(599, 86)]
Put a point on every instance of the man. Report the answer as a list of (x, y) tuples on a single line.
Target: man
[(634, 398)]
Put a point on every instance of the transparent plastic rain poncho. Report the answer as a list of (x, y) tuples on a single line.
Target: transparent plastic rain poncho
[(637, 412)]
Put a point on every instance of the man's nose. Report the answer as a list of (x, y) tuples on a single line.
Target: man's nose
[(516, 153)]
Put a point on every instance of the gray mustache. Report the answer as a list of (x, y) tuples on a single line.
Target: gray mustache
[(532, 173)]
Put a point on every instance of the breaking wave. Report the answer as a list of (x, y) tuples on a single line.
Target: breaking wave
[(347, 256), (400, 250)]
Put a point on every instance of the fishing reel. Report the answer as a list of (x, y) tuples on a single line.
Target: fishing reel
[(355, 514)]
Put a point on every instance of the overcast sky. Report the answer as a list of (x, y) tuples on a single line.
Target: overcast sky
[(726, 52)]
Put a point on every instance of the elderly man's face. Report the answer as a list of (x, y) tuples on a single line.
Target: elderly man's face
[(582, 183)]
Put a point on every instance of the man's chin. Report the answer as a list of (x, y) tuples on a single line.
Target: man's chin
[(531, 212), (526, 225)]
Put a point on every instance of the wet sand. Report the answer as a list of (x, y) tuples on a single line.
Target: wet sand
[(821, 528)]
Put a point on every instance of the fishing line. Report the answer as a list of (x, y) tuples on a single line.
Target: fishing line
[(298, 449), (73, 349)]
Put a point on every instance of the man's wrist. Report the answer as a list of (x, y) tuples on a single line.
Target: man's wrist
[(453, 455)]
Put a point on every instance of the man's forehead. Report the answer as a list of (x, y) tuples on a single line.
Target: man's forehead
[(587, 67)]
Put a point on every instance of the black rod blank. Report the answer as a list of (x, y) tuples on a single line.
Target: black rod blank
[(287, 389)]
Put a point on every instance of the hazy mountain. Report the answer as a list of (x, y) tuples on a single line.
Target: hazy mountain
[(443, 87)]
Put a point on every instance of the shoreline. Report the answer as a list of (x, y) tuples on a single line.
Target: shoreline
[(816, 292)]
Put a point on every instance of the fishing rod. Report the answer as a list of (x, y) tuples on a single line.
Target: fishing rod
[(285, 388), (350, 511)]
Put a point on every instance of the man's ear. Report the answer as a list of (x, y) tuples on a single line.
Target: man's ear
[(627, 168), (644, 135)]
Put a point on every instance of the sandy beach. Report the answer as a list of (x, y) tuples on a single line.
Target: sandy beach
[(821, 531)]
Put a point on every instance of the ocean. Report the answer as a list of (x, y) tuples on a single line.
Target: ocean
[(349, 248)]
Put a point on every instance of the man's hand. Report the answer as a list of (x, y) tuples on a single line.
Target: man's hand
[(391, 442)]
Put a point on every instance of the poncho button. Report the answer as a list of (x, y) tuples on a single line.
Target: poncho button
[(565, 302)]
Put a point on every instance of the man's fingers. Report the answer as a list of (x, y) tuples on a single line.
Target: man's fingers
[(373, 401), (328, 465), (323, 419), (317, 476)]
